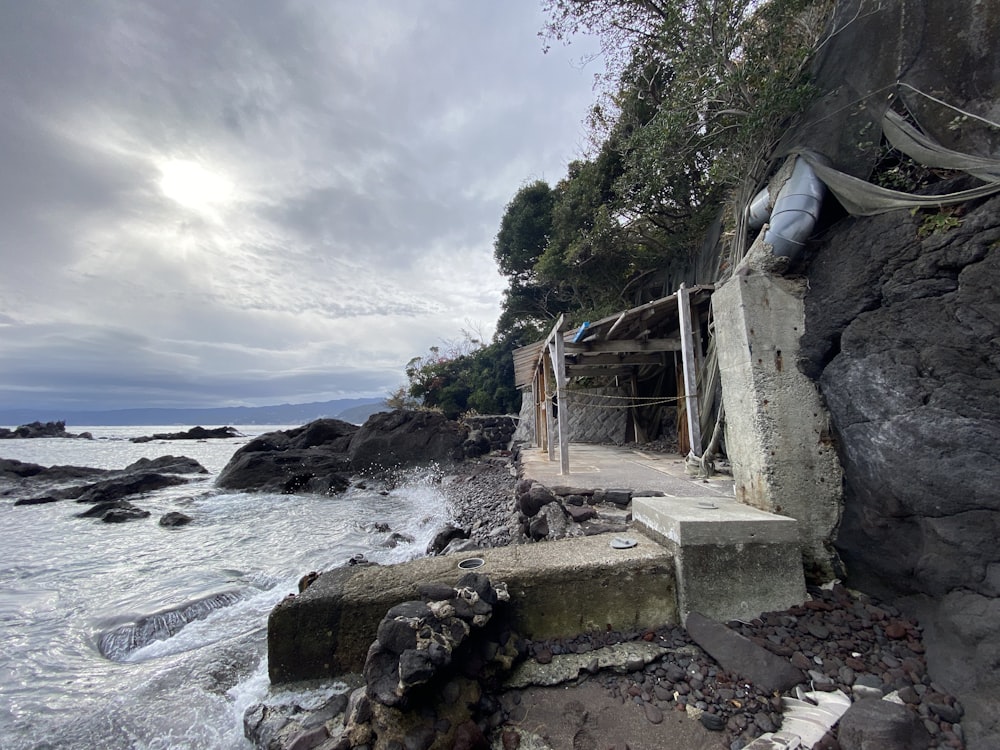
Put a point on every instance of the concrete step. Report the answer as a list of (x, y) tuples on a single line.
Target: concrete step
[(557, 589), (733, 561)]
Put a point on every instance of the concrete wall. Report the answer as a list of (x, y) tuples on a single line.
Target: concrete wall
[(777, 428), (596, 415), (497, 429)]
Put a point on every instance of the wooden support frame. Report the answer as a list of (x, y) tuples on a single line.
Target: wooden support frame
[(554, 424), (625, 346)]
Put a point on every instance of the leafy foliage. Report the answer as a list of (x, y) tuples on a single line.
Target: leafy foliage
[(478, 378)]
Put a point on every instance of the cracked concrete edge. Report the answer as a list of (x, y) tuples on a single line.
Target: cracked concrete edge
[(621, 658)]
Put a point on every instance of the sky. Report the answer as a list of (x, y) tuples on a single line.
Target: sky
[(253, 202)]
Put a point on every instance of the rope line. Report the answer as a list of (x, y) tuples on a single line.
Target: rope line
[(644, 400)]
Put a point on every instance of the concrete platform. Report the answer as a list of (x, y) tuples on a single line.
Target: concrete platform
[(622, 467), (559, 588), (733, 561)]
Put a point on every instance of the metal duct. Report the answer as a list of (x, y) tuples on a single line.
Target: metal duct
[(795, 211), (759, 209)]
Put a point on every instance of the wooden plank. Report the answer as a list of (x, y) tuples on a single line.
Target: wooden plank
[(690, 370), (550, 446)]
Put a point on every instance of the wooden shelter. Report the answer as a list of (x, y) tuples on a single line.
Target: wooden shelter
[(660, 344)]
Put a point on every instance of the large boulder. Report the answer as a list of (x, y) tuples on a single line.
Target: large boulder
[(320, 456), (406, 437), (903, 335), (312, 458)]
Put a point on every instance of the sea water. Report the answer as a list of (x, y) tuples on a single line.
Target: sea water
[(66, 582)]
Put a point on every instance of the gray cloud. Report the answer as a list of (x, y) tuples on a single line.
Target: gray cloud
[(245, 201)]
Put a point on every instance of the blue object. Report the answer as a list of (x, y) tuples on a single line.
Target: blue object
[(579, 333)]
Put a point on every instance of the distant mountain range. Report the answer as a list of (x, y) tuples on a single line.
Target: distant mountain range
[(355, 410)]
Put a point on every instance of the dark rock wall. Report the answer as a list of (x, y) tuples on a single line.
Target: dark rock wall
[(903, 336), (496, 431)]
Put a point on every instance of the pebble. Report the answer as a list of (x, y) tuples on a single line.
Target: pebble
[(713, 722)]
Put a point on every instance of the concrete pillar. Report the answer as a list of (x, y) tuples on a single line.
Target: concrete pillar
[(777, 427)]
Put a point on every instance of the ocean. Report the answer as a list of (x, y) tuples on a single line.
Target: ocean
[(73, 590)]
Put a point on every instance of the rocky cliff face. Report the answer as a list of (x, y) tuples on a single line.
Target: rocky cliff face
[(903, 336)]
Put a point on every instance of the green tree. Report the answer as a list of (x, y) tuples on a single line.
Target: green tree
[(473, 377), (525, 228), (695, 97)]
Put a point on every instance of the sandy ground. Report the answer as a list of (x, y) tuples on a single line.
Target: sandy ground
[(587, 717)]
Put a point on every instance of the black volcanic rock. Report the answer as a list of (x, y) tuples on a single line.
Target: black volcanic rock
[(13, 469), (195, 433), (114, 511), (167, 465), (404, 437), (903, 336), (175, 518), (115, 488), (312, 458), (319, 457), (41, 430)]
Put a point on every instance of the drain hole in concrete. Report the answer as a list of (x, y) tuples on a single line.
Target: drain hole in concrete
[(472, 563)]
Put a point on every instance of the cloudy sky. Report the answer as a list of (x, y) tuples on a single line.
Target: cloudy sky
[(248, 202)]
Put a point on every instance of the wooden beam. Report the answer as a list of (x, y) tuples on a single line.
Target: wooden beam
[(614, 327), (585, 371), (618, 359), (625, 345), (690, 370)]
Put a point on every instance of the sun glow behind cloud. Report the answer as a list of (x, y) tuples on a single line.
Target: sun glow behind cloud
[(195, 186)]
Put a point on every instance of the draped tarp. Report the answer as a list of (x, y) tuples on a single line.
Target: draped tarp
[(862, 198)]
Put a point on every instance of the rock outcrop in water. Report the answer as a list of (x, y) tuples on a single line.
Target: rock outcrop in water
[(118, 643), (106, 491), (41, 430), (195, 433), (321, 456)]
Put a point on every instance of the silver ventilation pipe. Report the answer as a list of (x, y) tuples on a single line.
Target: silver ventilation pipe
[(759, 210), (794, 213)]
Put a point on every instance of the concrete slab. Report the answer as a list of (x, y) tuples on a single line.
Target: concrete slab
[(559, 588), (688, 521), (733, 561), (622, 467)]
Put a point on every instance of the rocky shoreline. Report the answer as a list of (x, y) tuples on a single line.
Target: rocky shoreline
[(837, 640)]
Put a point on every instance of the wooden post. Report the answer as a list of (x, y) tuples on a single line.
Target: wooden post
[(550, 445), (690, 370), (536, 409), (559, 366)]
